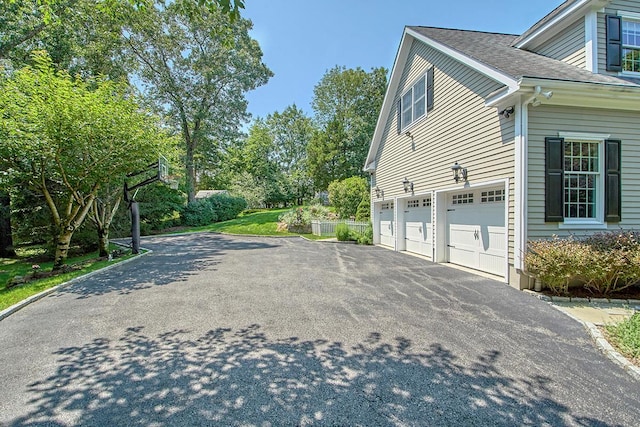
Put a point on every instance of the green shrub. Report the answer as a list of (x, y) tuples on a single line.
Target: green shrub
[(219, 207), (363, 213), (626, 336), (347, 194), (343, 233), (552, 262), (604, 263), (298, 220), (365, 238)]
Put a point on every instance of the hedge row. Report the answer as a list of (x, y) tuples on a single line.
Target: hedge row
[(605, 262)]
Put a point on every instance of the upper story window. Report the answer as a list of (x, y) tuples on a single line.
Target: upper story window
[(631, 45), (416, 101), (413, 102), (623, 42)]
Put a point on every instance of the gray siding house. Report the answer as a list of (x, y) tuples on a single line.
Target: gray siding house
[(486, 141)]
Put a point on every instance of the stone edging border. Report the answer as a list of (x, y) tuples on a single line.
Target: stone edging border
[(33, 298), (548, 298), (602, 344)]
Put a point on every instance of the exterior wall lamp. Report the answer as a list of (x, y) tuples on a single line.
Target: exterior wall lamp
[(379, 192), (507, 112), (407, 185), (459, 173)]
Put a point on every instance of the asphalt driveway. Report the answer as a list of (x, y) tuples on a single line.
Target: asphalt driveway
[(219, 330)]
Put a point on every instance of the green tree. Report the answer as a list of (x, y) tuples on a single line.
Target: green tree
[(346, 104), (347, 195), (67, 139), (196, 64)]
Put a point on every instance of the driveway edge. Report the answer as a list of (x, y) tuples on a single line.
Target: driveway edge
[(601, 343), (33, 298)]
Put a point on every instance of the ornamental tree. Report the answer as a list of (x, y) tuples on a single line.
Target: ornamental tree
[(68, 139)]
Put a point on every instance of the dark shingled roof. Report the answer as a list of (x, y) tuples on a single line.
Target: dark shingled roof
[(495, 51)]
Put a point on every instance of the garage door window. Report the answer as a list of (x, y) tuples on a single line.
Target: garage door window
[(462, 199), (492, 196)]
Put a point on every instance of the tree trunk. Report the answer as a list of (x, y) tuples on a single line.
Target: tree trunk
[(62, 248), (191, 173), (6, 239), (103, 242)]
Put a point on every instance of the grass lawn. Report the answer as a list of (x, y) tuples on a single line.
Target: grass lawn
[(22, 265), (260, 223)]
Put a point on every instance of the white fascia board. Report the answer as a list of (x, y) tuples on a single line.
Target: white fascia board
[(481, 67), (387, 103), (501, 97), (552, 27), (592, 95)]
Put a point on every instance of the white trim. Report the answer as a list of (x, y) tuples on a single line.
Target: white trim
[(521, 184), (591, 41), (552, 23), (633, 74), (584, 225), (629, 15), (467, 60), (584, 136)]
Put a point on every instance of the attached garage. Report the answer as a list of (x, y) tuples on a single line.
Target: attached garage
[(418, 232), (386, 226), (475, 230)]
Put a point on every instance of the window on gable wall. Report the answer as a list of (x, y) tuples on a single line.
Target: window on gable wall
[(416, 101), (630, 45), (582, 180), (623, 43)]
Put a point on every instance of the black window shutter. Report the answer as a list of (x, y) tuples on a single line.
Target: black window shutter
[(430, 89), (614, 43), (399, 114), (612, 181), (554, 180)]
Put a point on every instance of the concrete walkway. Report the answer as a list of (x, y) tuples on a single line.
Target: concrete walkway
[(220, 330)]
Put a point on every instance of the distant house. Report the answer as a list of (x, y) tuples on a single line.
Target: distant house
[(203, 194), (486, 141)]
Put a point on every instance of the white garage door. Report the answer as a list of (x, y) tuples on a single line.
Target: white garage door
[(417, 223), (386, 224), (476, 230)]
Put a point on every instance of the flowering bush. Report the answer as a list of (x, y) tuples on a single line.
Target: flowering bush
[(603, 263), (299, 219)]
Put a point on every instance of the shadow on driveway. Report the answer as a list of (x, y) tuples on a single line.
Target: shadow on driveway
[(242, 377), (175, 259)]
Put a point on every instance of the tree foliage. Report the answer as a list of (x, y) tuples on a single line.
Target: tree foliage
[(196, 64), (346, 104), (67, 139), (346, 195)]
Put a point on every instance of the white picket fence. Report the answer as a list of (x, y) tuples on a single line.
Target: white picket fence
[(328, 228)]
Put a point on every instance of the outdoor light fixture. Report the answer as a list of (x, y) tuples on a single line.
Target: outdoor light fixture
[(507, 112), (407, 185), (409, 134), (459, 173), (379, 192)]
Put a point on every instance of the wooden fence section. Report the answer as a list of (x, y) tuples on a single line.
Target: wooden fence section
[(328, 228)]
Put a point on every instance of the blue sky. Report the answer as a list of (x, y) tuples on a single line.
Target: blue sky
[(302, 39)]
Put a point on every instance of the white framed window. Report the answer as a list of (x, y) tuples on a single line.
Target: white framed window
[(583, 179), (426, 203), (630, 45), (413, 203), (414, 102)]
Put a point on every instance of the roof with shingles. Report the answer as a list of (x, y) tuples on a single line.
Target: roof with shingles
[(555, 12), (496, 51)]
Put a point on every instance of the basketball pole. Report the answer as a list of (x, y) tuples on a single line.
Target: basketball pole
[(133, 205)]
